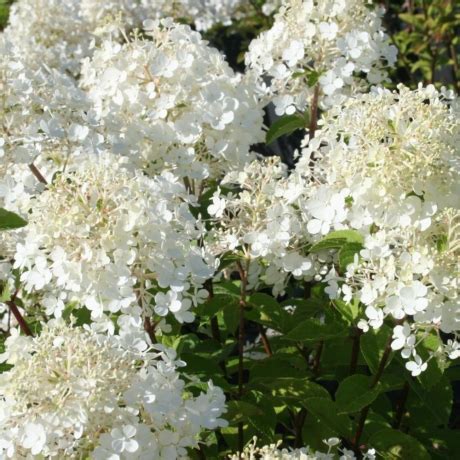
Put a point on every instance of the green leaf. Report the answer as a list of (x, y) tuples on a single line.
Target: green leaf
[(239, 411), (312, 78), (294, 390), (267, 311), (347, 254), (435, 369), (373, 344), (287, 365), (393, 445), (231, 317), (285, 125), (10, 220), (349, 311), (354, 394), (436, 402), (338, 239), (326, 411), (312, 330)]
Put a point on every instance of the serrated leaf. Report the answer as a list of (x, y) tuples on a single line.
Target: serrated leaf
[(293, 390), (10, 220), (326, 411), (354, 393), (285, 125), (239, 411), (338, 239), (395, 445), (267, 311), (313, 330)]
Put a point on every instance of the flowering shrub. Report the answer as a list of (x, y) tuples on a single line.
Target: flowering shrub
[(167, 292)]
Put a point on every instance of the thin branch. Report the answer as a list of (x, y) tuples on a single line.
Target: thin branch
[(38, 174), (150, 329), (375, 381), (299, 423), (314, 113), (17, 314), (355, 351), (265, 341), (401, 406), (241, 336), (317, 358)]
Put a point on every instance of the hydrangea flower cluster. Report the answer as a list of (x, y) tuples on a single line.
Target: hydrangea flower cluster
[(45, 121), (60, 33), (275, 452), (255, 214), (332, 42), (385, 166), (113, 240), (393, 156), (172, 102), (72, 393)]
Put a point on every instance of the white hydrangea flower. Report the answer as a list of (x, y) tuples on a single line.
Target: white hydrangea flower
[(172, 102), (60, 33), (334, 40), (392, 157), (407, 266), (275, 452), (109, 238), (46, 121), (78, 394)]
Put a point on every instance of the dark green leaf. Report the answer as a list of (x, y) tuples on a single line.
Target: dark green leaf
[(354, 394), (285, 125), (312, 330), (338, 239), (239, 411), (393, 445), (347, 254), (10, 220), (326, 411), (373, 344)]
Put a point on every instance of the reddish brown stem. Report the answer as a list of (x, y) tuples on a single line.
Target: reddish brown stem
[(299, 423), (241, 337), (375, 381), (38, 174), (355, 351), (150, 329), (19, 318), (265, 341), (317, 359), (400, 408), (314, 112)]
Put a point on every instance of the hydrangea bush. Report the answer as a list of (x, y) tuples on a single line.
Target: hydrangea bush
[(167, 292)]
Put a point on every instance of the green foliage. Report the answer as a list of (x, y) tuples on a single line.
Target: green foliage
[(10, 220), (426, 34), (286, 125), (4, 12)]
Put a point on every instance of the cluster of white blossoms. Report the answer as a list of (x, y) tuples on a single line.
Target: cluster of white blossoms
[(393, 157), (60, 33), (275, 452), (385, 167), (45, 120), (72, 393), (332, 42), (255, 213), (172, 102), (113, 240)]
